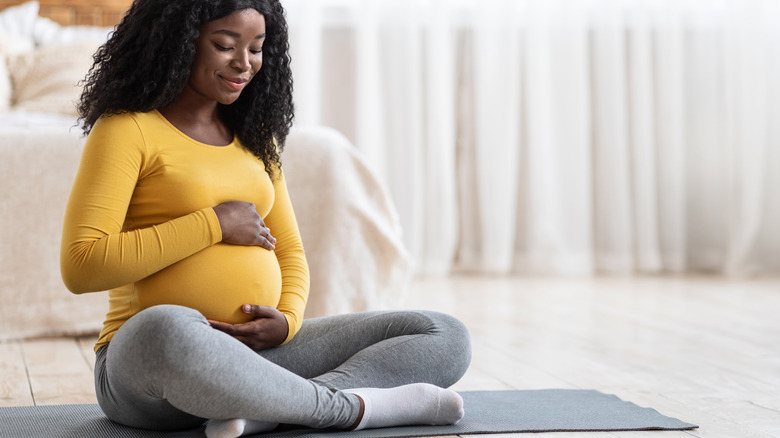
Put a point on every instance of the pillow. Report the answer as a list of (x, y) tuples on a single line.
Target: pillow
[(16, 31), (16, 28), (12, 45), (5, 86), (19, 21), (46, 79), (46, 32)]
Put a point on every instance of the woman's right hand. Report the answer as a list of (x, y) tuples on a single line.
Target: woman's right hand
[(241, 225)]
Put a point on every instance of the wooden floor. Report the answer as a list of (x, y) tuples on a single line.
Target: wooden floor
[(704, 350)]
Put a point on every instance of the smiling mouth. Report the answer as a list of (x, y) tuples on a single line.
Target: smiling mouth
[(235, 84)]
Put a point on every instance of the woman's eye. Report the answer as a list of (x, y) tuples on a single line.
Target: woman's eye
[(256, 52), (221, 48)]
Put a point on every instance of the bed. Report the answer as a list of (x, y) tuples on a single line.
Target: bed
[(348, 222)]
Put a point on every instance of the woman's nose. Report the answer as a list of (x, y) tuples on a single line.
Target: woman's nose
[(240, 61)]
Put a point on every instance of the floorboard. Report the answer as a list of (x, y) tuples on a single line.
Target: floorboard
[(14, 385), (58, 372)]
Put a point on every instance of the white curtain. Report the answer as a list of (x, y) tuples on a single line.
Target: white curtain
[(558, 136)]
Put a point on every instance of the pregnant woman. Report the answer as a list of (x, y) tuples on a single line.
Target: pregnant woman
[(180, 209)]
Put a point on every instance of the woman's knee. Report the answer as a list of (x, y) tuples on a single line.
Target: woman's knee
[(458, 340), (454, 346), (160, 327)]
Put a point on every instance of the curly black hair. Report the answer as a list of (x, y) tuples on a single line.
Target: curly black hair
[(145, 65)]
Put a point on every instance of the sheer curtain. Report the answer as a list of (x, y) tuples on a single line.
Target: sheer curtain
[(558, 136)]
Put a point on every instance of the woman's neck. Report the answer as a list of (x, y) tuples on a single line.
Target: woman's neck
[(198, 119)]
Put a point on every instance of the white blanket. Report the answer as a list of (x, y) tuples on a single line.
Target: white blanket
[(348, 223)]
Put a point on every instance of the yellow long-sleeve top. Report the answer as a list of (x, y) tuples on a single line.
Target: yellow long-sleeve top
[(140, 222)]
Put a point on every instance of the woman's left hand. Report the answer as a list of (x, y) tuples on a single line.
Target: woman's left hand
[(267, 329)]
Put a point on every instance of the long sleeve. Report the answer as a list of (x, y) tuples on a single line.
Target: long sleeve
[(292, 259), (96, 252)]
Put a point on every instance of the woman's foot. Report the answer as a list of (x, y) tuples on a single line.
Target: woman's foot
[(236, 427), (418, 403)]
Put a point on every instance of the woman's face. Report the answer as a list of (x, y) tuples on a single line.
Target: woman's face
[(228, 54)]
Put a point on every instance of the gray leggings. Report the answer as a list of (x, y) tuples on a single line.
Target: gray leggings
[(167, 369)]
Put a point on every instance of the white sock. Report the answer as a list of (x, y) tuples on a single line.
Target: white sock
[(236, 427), (418, 403)]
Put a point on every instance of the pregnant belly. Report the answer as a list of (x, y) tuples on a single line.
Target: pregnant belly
[(216, 281)]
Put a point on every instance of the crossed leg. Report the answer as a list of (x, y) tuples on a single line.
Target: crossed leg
[(167, 369)]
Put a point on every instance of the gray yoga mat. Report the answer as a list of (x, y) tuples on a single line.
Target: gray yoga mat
[(547, 410)]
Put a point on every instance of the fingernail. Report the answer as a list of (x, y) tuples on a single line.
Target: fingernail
[(246, 308)]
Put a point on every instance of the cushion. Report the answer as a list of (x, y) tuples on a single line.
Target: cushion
[(14, 45), (16, 24), (47, 79), (19, 21), (42, 62), (5, 85), (46, 32)]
